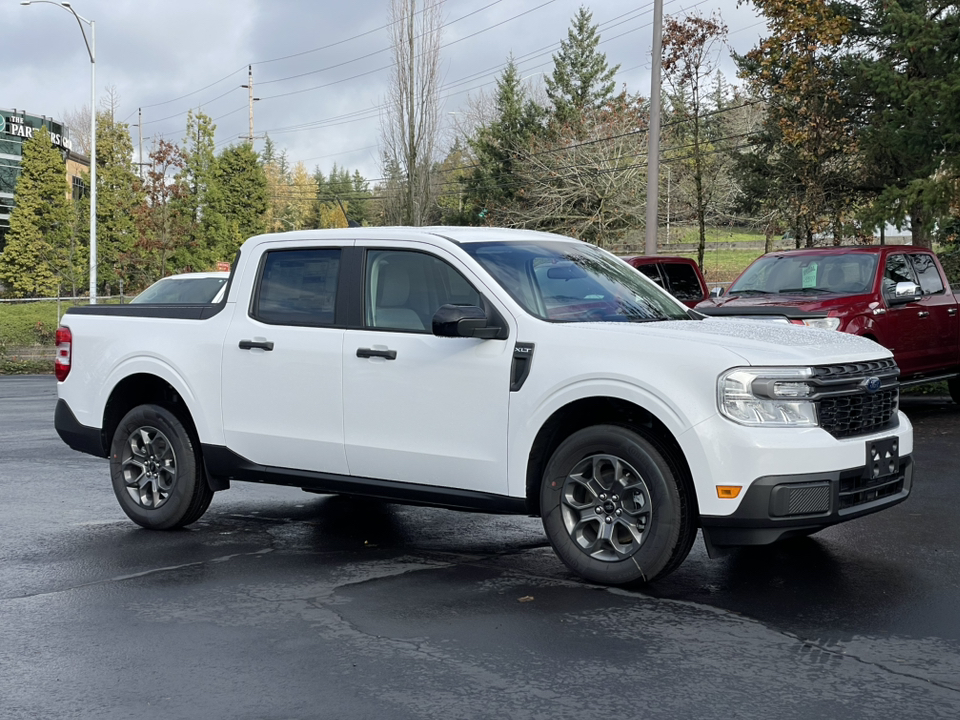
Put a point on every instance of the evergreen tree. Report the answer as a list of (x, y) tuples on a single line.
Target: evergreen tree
[(282, 195), (905, 92), (498, 145), (208, 232), (581, 80), (242, 197), (340, 192), (37, 253), (118, 196)]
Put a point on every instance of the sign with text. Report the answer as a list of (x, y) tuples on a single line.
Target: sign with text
[(23, 126)]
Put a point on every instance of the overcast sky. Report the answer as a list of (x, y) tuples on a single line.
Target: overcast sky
[(319, 101)]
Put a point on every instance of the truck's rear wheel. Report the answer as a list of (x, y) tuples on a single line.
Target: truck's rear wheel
[(614, 509), (157, 471)]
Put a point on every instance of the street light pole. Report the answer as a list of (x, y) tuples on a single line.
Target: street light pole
[(92, 52), (653, 144)]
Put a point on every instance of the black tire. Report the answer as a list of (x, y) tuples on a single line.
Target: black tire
[(615, 507), (157, 471), (954, 385)]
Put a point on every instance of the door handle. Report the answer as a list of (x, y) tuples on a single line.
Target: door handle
[(372, 353), (256, 344), (951, 312), (923, 314)]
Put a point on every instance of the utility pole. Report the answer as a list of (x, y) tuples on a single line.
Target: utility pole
[(412, 150), (669, 178), (653, 146), (140, 139), (253, 99)]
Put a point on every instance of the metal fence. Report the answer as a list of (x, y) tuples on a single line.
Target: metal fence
[(17, 356)]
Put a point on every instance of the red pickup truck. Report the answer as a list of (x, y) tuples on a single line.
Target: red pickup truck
[(679, 276), (895, 295)]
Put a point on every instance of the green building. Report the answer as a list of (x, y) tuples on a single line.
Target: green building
[(16, 127)]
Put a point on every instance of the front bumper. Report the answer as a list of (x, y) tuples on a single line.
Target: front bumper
[(777, 507)]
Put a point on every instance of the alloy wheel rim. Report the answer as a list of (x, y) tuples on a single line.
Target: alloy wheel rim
[(149, 467), (606, 507)]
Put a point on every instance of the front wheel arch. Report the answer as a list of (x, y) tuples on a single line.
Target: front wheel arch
[(587, 412)]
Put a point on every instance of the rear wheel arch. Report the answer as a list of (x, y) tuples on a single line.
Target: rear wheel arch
[(143, 389)]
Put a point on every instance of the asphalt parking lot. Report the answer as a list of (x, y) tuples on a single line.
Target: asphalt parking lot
[(279, 604)]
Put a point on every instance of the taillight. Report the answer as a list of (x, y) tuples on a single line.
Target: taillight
[(61, 365)]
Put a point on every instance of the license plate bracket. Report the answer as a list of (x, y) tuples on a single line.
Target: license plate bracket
[(883, 458)]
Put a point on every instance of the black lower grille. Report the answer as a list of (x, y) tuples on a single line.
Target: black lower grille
[(855, 489)]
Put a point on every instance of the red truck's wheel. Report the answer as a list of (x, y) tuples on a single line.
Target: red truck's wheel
[(614, 509), (157, 471), (954, 385)]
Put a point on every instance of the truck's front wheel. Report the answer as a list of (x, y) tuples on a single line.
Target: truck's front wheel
[(613, 507), (954, 385), (157, 471)]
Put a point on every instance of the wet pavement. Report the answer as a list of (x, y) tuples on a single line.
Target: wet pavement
[(279, 604)]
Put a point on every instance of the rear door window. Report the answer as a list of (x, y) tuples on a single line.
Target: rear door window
[(927, 272), (298, 287), (684, 283)]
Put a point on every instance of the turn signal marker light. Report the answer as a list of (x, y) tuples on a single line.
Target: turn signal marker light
[(728, 492)]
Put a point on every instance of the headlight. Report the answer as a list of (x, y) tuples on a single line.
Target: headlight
[(827, 323), (771, 397)]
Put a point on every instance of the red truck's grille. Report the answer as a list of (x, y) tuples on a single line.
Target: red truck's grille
[(846, 407)]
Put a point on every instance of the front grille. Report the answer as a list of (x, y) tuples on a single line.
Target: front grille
[(844, 405), (851, 415), (850, 371)]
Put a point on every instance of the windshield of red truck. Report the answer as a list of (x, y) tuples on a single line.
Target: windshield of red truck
[(808, 274), (567, 282)]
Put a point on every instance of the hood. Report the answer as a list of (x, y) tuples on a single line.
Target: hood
[(755, 341), (802, 303)]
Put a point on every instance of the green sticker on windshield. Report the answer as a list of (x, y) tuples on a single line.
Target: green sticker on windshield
[(809, 275)]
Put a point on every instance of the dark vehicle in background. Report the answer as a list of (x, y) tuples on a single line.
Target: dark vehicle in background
[(185, 289), (679, 276), (896, 295)]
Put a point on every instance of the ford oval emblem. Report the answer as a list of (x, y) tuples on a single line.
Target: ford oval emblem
[(872, 384)]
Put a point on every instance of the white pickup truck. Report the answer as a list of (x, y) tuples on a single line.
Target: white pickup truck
[(499, 371)]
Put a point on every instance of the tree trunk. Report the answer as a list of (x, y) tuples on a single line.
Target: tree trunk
[(919, 230)]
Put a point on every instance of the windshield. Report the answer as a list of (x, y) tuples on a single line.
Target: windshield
[(845, 274), (182, 290), (566, 282)]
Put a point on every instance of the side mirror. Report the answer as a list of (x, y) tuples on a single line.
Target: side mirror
[(463, 321), (905, 292), (716, 291)]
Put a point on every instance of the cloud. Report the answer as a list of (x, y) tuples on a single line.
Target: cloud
[(167, 56)]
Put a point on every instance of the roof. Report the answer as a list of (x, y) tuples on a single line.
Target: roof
[(653, 259), (459, 235), (846, 250)]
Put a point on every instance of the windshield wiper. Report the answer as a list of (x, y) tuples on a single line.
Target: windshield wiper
[(748, 291), (804, 290)]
